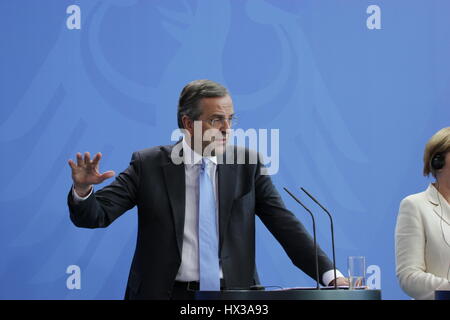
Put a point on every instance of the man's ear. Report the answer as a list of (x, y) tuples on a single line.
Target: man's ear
[(188, 124)]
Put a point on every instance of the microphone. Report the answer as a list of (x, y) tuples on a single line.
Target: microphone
[(314, 233), (332, 232)]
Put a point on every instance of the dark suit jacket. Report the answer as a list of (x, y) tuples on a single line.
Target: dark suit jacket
[(157, 186)]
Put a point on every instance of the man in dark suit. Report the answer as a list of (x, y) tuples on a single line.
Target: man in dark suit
[(196, 214)]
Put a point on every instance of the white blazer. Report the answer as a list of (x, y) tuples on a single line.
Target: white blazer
[(422, 256)]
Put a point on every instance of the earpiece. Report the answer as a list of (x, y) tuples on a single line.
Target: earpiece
[(438, 161)]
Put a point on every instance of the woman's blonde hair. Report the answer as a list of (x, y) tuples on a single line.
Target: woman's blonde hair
[(439, 143)]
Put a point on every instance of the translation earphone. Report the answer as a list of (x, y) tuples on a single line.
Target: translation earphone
[(438, 161)]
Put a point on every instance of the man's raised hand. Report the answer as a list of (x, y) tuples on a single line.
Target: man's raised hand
[(85, 173)]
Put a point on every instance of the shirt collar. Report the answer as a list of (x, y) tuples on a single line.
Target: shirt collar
[(191, 157)]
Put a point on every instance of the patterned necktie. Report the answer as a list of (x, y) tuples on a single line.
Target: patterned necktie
[(207, 232)]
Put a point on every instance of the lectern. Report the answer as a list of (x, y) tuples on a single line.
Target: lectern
[(290, 294), (442, 295)]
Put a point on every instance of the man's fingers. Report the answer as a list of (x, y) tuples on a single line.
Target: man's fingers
[(80, 161), (96, 159), (72, 164), (87, 158), (107, 175)]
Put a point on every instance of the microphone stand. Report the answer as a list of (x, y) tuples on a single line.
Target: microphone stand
[(314, 233), (332, 233)]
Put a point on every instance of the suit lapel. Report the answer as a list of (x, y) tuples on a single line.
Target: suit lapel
[(175, 180), (227, 185), (440, 205), (442, 211)]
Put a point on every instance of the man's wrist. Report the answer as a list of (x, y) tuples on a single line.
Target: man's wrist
[(82, 192), (328, 276)]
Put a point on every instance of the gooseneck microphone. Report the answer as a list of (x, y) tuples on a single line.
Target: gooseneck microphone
[(314, 234), (332, 232)]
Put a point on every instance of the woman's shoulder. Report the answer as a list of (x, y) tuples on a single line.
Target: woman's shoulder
[(416, 197), (414, 202)]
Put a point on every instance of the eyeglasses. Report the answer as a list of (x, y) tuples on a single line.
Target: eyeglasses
[(219, 122)]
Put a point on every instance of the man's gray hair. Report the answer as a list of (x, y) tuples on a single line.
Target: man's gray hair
[(192, 93)]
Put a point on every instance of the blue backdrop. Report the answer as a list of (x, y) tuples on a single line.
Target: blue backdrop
[(354, 104)]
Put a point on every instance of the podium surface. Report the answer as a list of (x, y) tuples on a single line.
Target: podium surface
[(442, 295), (290, 294)]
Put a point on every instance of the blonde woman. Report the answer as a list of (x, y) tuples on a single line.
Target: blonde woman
[(423, 226)]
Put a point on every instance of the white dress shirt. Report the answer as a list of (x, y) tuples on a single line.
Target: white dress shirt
[(422, 256), (189, 268)]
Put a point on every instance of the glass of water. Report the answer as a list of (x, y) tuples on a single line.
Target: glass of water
[(357, 272)]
